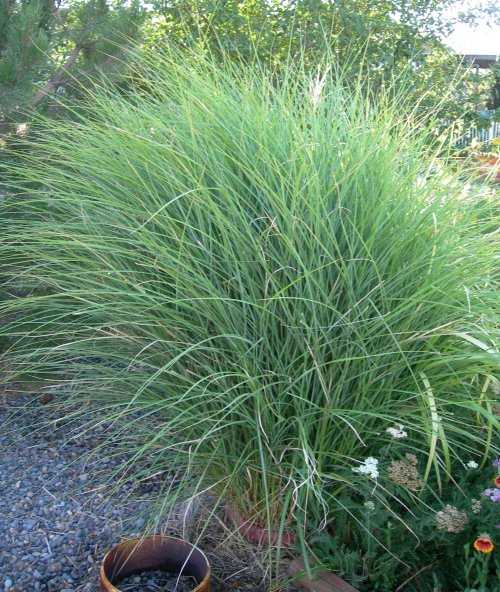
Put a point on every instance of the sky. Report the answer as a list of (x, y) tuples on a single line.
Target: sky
[(481, 39)]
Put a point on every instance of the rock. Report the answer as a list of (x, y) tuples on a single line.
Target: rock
[(46, 398), (29, 524)]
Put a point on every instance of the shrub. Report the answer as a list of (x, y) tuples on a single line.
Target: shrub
[(274, 271)]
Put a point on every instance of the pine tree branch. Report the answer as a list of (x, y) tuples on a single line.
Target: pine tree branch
[(59, 78)]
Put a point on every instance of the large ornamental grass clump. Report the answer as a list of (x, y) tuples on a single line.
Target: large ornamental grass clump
[(274, 272)]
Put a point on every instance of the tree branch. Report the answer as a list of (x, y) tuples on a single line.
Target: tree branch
[(59, 78)]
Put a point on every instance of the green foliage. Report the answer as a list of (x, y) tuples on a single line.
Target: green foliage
[(37, 37), (495, 93), (102, 27), (388, 38), (24, 40), (427, 544), (272, 273), (396, 28), (378, 40)]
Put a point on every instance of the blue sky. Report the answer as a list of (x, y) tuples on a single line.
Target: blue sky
[(482, 39)]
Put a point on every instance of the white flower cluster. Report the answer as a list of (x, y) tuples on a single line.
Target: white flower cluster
[(368, 467), (472, 464), (397, 431)]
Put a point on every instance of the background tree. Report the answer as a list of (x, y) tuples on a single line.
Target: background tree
[(391, 38), (26, 28), (45, 44)]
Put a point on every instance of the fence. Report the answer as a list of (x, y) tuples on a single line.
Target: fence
[(480, 134)]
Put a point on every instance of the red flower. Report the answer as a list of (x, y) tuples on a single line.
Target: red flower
[(484, 544), (496, 481)]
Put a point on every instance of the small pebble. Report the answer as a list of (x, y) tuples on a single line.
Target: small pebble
[(55, 532)]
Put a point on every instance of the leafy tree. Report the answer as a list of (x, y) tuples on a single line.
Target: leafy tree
[(390, 38)]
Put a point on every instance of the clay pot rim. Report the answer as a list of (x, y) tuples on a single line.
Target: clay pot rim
[(254, 532), (201, 587)]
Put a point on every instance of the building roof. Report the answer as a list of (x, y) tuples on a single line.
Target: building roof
[(481, 60)]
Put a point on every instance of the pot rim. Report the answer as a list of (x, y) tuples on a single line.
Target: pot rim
[(202, 586), (255, 533)]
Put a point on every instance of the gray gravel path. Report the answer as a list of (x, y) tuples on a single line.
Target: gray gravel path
[(55, 521), (57, 518)]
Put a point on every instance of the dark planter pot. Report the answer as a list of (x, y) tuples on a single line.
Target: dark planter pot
[(154, 553), (255, 533), (324, 581)]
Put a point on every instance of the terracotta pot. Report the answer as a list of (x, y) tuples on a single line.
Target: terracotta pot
[(486, 171), (324, 581), (154, 553), (257, 534)]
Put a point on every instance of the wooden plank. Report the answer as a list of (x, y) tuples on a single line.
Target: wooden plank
[(324, 581)]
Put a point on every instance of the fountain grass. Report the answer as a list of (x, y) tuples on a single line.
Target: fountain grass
[(256, 277)]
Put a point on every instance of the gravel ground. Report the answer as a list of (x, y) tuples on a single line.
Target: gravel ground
[(57, 521), (157, 581)]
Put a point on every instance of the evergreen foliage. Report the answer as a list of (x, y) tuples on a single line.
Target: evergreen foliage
[(45, 43)]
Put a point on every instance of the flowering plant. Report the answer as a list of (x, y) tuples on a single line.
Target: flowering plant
[(431, 540)]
